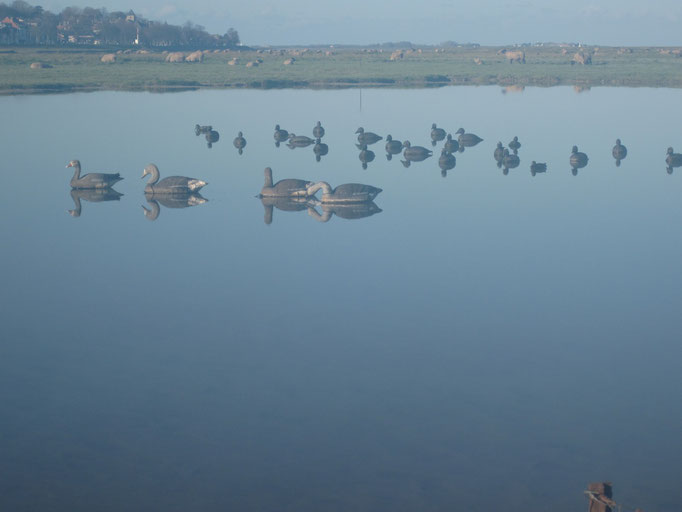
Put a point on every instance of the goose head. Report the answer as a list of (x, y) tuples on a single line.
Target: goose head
[(74, 163), (150, 169)]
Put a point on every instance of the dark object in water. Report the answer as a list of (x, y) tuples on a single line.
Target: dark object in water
[(171, 184), (239, 142), (198, 130), (514, 145), (280, 135), (284, 188), (211, 137), (437, 134), (619, 152), (299, 141), (510, 161), (346, 193), (365, 156), (499, 154), (467, 140), (92, 180), (318, 131), (536, 167), (170, 201), (93, 195), (446, 162), (393, 147), (673, 160), (451, 145), (320, 149), (367, 137), (578, 160)]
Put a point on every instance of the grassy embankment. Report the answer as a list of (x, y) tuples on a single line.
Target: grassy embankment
[(74, 69)]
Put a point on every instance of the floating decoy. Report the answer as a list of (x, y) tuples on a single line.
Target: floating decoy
[(346, 193), (467, 139), (284, 188), (365, 156), (499, 154), (393, 147), (318, 131), (451, 145), (415, 153), (198, 130), (673, 160), (446, 161), (437, 134), (514, 145), (211, 137), (93, 195), (619, 152), (577, 160), (92, 180), (367, 137), (344, 210), (170, 201), (239, 142), (299, 141), (510, 161), (171, 184), (320, 149), (536, 167), (280, 135)]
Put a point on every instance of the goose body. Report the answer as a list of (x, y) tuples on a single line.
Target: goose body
[(467, 139), (451, 145), (510, 161), (367, 137), (280, 135), (514, 145), (318, 131), (577, 160), (673, 159), (299, 141), (447, 160), (536, 167), (283, 188), (211, 137), (171, 184), (437, 134), (393, 147), (198, 130), (415, 153), (346, 193), (619, 152), (91, 180), (239, 142), (499, 153)]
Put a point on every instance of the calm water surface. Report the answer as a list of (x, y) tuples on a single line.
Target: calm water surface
[(484, 342)]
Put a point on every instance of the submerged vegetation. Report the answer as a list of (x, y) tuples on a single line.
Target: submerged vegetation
[(47, 70)]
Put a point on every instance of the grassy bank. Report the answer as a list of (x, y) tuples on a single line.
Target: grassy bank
[(73, 69)]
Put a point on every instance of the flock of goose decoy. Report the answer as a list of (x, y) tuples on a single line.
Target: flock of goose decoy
[(350, 200)]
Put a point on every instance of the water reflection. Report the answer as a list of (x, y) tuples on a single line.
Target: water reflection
[(299, 141), (239, 142), (446, 162), (514, 145), (182, 200), (280, 135), (318, 131), (320, 149), (285, 204), (393, 147), (92, 195), (498, 154), (345, 211), (365, 156), (199, 130), (211, 137), (509, 161), (437, 134), (451, 145)]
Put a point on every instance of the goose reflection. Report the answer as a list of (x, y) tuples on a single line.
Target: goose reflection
[(198, 129), (619, 152), (286, 204), (93, 195), (451, 145), (211, 137), (577, 160), (537, 167), (239, 142), (365, 156), (437, 134), (170, 201), (318, 131), (281, 135), (509, 161), (498, 154), (672, 160), (345, 211), (320, 149), (299, 141)]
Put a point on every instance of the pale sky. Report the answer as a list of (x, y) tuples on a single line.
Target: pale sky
[(261, 22)]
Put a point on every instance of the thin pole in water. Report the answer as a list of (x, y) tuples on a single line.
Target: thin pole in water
[(360, 100)]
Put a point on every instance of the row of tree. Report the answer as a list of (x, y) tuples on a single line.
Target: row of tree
[(22, 23)]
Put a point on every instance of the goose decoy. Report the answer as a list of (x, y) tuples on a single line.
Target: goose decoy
[(91, 180), (211, 137), (346, 193), (171, 184), (393, 147), (239, 142), (446, 161), (514, 145), (365, 156), (673, 160), (198, 130), (367, 137), (451, 145), (299, 141), (499, 154), (170, 201), (510, 161), (619, 152), (437, 134), (467, 139), (318, 131), (415, 153), (320, 149), (536, 167), (284, 188), (577, 160), (280, 135), (344, 210), (93, 195)]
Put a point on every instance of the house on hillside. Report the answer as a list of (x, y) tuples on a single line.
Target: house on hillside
[(131, 16), (13, 31)]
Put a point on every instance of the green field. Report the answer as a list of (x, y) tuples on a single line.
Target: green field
[(81, 69)]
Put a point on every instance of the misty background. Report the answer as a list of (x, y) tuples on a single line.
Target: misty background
[(488, 22)]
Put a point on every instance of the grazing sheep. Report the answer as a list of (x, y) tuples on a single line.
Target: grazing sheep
[(175, 57), (518, 56), (197, 56), (39, 65), (108, 58), (397, 55), (290, 61), (478, 61), (582, 58), (233, 62), (252, 64)]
